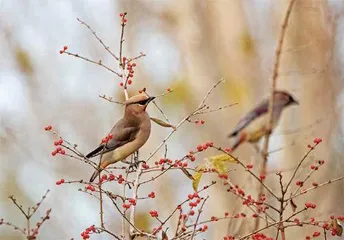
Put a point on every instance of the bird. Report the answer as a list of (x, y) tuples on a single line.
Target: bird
[(252, 126), (128, 135)]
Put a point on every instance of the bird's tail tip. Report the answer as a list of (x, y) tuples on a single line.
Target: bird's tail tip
[(94, 175), (232, 134)]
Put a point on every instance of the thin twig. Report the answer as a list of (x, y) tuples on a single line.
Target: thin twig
[(99, 39), (200, 107), (99, 63), (198, 216), (272, 98), (110, 99)]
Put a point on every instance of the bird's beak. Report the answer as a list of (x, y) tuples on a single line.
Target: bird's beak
[(150, 99), (295, 102)]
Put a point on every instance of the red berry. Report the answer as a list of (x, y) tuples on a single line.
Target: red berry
[(249, 166), (317, 140), (228, 150), (65, 48), (121, 84), (62, 180), (316, 234), (48, 128), (299, 183), (61, 51), (168, 89), (202, 121), (262, 177), (192, 212), (200, 148), (111, 177)]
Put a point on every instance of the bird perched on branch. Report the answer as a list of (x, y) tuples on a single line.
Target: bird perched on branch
[(128, 135), (254, 125)]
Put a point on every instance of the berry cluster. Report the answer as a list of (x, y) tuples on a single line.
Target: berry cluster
[(86, 234), (58, 149), (123, 19), (63, 50), (107, 138), (59, 182)]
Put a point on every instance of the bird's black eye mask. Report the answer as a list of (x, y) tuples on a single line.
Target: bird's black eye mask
[(142, 102)]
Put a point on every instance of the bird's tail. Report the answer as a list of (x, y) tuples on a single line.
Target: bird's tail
[(95, 174), (238, 141)]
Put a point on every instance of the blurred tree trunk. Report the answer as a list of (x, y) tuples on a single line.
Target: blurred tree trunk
[(314, 83)]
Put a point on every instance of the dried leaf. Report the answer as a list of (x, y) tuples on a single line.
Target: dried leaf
[(337, 226), (293, 205), (219, 162), (162, 123), (187, 174)]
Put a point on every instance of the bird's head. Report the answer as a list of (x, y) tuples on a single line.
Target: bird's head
[(137, 104), (285, 99)]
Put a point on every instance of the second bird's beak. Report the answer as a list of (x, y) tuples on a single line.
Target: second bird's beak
[(295, 102)]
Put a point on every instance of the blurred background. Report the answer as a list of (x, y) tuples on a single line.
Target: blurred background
[(189, 46)]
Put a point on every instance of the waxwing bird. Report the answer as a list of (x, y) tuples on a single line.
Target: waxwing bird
[(253, 126), (129, 134)]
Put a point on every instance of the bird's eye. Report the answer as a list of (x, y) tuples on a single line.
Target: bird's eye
[(143, 102)]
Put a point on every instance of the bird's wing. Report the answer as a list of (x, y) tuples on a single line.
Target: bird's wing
[(122, 133), (261, 109)]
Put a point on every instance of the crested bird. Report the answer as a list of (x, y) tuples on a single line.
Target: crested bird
[(128, 135), (253, 125)]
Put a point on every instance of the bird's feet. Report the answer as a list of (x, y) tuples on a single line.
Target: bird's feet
[(134, 165)]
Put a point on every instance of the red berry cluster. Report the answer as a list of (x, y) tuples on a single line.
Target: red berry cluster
[(132, 202), (310, 205), (58, 149), (64, 49), (130, 68), (203, 229), (145, 166), (151, 195), (229, 237), (59, 182), (228, 150), (203, 147), (48, 128), (86, 234), (90, 187), (107, 138), (123, 19), (249, 166), (261, 236), (153, 213), (198, 122), (316, 141)]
